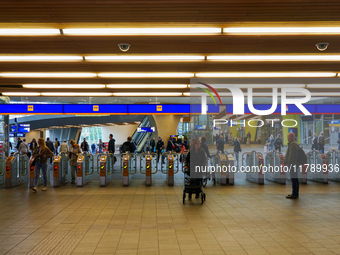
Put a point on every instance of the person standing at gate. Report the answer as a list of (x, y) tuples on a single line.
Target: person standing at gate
[(220, 144), (248, 137), (315, 142), (56, 145), (159, 147), (230, 138), (49, 144), (111, 147), (291, 161), (33, 145), (278, 143), (270, 143), (237, 148), (321, 143), (84, 146), (73, 154), (41, 154), (23, 148), (64, 147), (153, 145)]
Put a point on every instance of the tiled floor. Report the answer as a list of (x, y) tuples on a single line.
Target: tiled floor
[(241, 219)]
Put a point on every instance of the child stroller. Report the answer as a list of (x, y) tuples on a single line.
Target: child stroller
[(193, 186)]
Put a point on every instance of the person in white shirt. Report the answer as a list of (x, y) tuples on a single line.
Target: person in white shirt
[(64, 147), (23, 148)]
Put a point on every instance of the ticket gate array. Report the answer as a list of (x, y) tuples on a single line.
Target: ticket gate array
[(148, 166), (170, 166), (84, 169), (61, 173), (317, 167), (2, 168), (224, 175), (128, 166), (16, 170), (106, 166), (275, 162), (333, 161), (253, 161)]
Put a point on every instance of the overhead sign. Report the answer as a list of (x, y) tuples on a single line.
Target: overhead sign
[(14, 129), (24, 128), (142, 129), (20, 134), (152, 129), (95, 109)]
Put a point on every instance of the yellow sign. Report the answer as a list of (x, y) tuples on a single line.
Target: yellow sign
[(30, 108), (96, 108), (159, 108)]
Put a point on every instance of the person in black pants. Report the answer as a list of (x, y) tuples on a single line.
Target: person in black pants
[(291, 161), (159, 146)]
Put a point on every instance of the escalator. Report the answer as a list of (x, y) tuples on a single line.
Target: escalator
[(140, 138)]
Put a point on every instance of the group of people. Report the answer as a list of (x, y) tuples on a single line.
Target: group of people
[(318, 142), (228, 138), (274, 143)]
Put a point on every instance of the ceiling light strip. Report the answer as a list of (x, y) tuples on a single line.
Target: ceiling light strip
[(265, 74), (170, 94), (63, 86), (274, 58), (75, 94), (143, 31), (28, 32), (281, 30), (147, 86), (146, 75), (48, 75), (144, 58)]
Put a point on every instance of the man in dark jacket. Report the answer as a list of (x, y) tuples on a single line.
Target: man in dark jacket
[(278, 143), (315, 142), (237, 148), (128, 146), (291, 161), (84, 146), (112, 145), (159, 146), (49, 144), (321, 143), (220, 144)]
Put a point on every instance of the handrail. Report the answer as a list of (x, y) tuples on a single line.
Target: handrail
[(92, 167), (25, 165)]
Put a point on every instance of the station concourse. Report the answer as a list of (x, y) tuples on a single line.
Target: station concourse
[(169, 127)]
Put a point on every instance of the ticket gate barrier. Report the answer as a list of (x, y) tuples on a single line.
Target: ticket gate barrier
[(16, 170), (253, 162), (105, 171), (2, 168), (275, 162), (169, 166), (128, 166), (333, 163), (84, 164), (231, 162), (148, 166), (61, 171), (317, 167), (224, 174)]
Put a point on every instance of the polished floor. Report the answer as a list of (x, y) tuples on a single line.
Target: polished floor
[(241, 219)]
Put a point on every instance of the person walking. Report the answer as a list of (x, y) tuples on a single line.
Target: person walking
[(111, 146), (93, 148), (128, 146), (41, 155), (147, 145), (315, 142), (220, 145), (321, 143), (18, 144), (237, 148), (23, 148), (291, 161), (231, 138), (49, 144), (248, 137), (100, 146), (159, 147), (270, 142), (278, 143), (153, 145), (84, 146), (64, 147), (73, 155), (56, 146), (33, 145), (170, 145)]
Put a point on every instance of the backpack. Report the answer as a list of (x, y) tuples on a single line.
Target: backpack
[(302, 159), (125, 147), (177, 148)]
